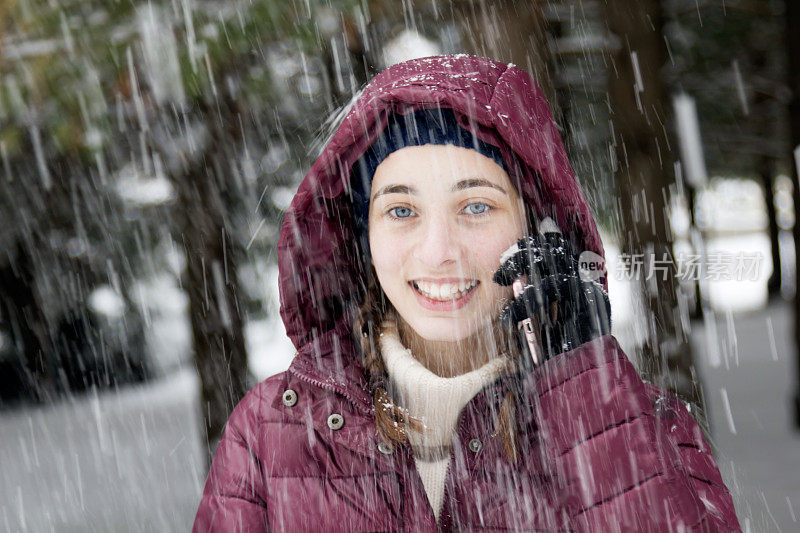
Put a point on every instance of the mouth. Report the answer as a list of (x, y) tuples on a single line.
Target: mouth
[(444, 296), (444, 292)]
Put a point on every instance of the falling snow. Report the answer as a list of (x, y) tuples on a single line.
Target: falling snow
[(150, 153)]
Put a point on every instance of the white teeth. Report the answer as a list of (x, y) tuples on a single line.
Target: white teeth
[(444, 291)]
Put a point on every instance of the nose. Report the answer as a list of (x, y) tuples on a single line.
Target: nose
[(438, 245)]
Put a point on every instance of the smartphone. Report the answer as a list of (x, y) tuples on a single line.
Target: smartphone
[(527, 332)]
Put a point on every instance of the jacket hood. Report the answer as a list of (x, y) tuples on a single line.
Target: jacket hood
[(317, 258)]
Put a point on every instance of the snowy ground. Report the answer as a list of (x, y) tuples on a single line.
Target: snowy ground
[(748, 393), (127, 461)]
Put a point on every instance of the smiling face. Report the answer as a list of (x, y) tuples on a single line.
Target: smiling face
[(440, 217)]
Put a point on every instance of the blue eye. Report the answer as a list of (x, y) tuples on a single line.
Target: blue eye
[(482, 208), (400, 212)]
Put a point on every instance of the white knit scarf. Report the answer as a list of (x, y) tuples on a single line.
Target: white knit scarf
[(437, 401)]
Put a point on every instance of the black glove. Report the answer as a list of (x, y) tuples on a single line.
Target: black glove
[(570, 311)]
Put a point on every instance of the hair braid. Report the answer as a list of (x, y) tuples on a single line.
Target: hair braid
[(391, 421)]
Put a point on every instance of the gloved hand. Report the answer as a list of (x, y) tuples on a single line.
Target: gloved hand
[(570, 311)]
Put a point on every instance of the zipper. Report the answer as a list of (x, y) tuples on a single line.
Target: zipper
[(333, 388), (447, 496), (460, 430), (323, 343), (416, 481), (491, 392)]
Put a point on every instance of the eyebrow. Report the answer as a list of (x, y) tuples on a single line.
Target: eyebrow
[(458, 186), (476, 182)]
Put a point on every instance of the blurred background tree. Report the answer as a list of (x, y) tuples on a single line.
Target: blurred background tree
[(131, 130), (638, 101), (792, 77)]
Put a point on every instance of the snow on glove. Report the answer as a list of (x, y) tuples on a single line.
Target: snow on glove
[(582, 308)]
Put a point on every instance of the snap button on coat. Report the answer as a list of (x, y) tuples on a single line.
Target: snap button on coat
[(475, 445), (335, 421), (385, 449), (289, 397)]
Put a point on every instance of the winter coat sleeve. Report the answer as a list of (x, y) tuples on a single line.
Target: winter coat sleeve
[(233, 498), (626, 455)]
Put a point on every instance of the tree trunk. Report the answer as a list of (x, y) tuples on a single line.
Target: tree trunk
[(765, 116), (766, 171), (348, 54), (22, 315), (639, 116), (792, 18), (211, 282)]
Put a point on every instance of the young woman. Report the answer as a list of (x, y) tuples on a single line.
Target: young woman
[(413, 404)]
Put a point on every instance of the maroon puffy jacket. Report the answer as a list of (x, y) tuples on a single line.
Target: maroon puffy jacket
[(603, 451)]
